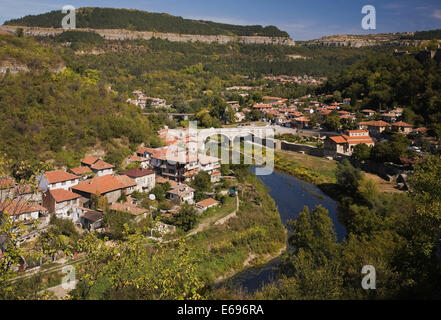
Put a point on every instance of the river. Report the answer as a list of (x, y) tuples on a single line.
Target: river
[(290, 195)]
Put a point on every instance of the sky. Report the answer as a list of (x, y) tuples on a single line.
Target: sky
[(302, 19)]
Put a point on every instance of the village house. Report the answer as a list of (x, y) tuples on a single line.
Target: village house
[(368, 112), (210, 165), (301, 122), (63, 203), (143, 152), (374, 127), (7, 187), (23, 211), (130, 207), (129, 185), (234, 105), (402, 127), (135, 159), (175, 164), (145, 179), (181, 193), (26, 192), (98, 166), (83, 172), (92, 220), (57, 179), (161, 180), (206, 204), (389, 117), (239, 116), (106, 186), (345, 144)]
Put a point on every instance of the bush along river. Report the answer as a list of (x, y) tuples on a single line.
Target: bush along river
[(291, 195)]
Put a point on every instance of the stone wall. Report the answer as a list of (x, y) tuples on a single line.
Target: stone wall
[(122, 34)]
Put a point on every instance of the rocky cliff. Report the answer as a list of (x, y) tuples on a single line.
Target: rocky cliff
[(121, 34), (357, 41)]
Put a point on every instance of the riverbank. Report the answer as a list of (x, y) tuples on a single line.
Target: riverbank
[(291, 195), (254, 236), (307, 168)]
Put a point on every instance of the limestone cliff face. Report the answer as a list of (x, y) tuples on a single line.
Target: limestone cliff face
[(388, 39), (121, 34)]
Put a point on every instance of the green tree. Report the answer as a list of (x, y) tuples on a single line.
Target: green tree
[(186, 218), (362, 152), (202, 181), (348, 177)]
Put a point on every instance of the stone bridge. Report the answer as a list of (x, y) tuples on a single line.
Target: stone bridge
[(233, 133)]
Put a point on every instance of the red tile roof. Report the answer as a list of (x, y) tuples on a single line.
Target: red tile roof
[(359, 131), (138, 172), (6, 183), (100, 185), (61, 195), (59, 176), (81, 170), (352, 140), (14, 207), (207, 203), (101, 165), (374, 123), (89, 160), (401, 124), (338, 139), (128, 207), (126, 181), (137, 158)]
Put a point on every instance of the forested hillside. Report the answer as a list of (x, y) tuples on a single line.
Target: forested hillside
[(57, 116), (55, 113), (175, 70), (387, 81), (110, 18)]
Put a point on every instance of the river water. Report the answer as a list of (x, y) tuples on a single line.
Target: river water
[(291, 195)]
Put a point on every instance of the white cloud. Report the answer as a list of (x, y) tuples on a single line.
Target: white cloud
[(437, 14)]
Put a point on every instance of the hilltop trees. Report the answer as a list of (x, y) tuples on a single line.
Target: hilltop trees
[(385, 81), (136, 20), (58, 115)]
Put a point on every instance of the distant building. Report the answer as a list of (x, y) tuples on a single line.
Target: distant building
[(206, 204), (98, 166), (143, 162), (92, 220), (63, 203), (402, 127), (182, 193), (374, 127), (23, 211), (58, 179), (145, 179), (107, 186), (346, 143), (368, 112)]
